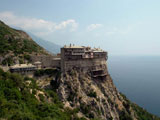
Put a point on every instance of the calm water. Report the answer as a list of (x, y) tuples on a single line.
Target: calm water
[(139, 79)]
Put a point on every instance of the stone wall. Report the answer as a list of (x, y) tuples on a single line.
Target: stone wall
[(84, 64), (47, 61)]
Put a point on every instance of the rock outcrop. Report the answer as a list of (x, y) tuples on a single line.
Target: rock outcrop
[(95, 98), (84, 94)]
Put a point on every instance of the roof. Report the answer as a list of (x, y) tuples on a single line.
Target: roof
[(57, 58), (99, 51), (73, 46), (22, 66), (37, 62), (88, 49)]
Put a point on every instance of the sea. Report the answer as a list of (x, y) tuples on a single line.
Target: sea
[(138, 77)]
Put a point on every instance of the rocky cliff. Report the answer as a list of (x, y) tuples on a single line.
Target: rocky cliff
[(97, 99), (83, 97)]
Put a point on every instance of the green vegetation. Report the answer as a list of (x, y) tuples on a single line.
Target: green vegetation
[(49, 72), (141, 113), (16, 43), (8, 61), (18, 103), (13, 40), (125, 115), (27, 57), (71, 96), (85, 109), (92, 94)]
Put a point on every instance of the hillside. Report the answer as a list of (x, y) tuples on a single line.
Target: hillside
[(49, 46), (52, 95), (16, 45), (22, 99)]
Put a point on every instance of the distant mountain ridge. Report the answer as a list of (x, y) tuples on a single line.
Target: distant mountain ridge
[(49, 46)]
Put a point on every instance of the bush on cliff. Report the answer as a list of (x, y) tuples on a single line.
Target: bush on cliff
[(49, 72), (141, 113), (18, 103)]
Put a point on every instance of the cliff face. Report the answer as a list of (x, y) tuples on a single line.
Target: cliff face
[(86, 94), (95, 98)]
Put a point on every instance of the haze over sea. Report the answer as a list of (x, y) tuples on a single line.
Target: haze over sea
[(138, 78)]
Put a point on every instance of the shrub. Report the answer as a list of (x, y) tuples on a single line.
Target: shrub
[(20, 104), (27, 57), (41, 97), (8, 61), (42, 72), (124, 116), (92, 94), (85, 108)]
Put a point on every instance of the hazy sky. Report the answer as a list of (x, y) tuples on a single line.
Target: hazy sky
[(122, 27)]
